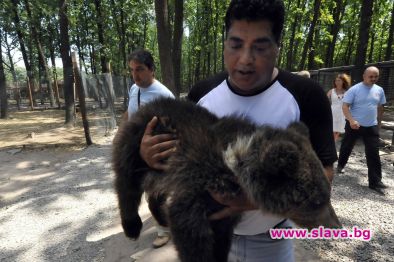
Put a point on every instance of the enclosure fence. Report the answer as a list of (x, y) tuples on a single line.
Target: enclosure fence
[(106, 95), (326, 76)]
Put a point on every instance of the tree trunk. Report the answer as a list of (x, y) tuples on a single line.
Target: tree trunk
[(53, 61), (92, 56), (337, 14), (41, 56), (19, 32), (350, 47), (67, 64), (124, 56), (207, 50), (100, 32), (88, 44), (290, 49), (371, 47), (389, 48), (164, 42), (364, 28), (53, 31), (386, 71), (81, 99), (177, 45), (3, 90), (308, 46), (81, 57), (215, 39), (16, 91), (145, 32)]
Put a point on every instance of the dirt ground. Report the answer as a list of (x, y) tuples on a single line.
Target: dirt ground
[(45, 129), (56, 196)]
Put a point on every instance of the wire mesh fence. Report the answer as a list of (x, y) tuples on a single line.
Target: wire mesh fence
[(105, 99), (106, 95), (326, 76)]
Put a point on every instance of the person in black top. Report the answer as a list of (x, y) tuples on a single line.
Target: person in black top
[(255, 88)]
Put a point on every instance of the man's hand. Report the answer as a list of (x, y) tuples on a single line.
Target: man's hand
[(354, 124), (234, 205), (155, 149), (346, 112)]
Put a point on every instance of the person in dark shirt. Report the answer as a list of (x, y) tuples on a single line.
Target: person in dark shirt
[(256, 89)]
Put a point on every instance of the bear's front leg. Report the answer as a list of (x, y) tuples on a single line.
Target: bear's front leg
[(194, 237), (223, 233)]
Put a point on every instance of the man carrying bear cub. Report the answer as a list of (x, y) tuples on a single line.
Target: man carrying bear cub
[(258, 90)]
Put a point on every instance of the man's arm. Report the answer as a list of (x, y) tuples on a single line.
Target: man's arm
[(125, 116), (380, 115), (242, 203), (234, 205), (156, 148), (329, 95), (329, 172), (346, 111)]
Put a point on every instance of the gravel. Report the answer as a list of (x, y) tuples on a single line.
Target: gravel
[(357, 205), (59, 205)]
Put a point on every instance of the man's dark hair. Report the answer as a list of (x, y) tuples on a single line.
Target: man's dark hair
[(143, 57), (257, 10)]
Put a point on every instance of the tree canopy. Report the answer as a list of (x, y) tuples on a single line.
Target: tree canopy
[(317, 33)]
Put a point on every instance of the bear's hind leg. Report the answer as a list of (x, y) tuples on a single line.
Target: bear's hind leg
[(156, 204), (223, 232), (190, 228)]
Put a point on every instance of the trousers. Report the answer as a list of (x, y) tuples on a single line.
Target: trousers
[(261, 248), (370, 136)]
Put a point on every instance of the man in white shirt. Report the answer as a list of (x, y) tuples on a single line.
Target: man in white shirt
[(146, 88)]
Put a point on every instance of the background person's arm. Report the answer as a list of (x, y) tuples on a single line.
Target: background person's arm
[(329, 95), (329, 172), (346, 111), (380, 115)]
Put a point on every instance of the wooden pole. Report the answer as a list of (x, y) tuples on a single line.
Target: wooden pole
[(30, 95), (81, 99), (57, 93)]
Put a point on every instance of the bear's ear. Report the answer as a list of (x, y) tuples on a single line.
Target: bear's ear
[(164, 126), (300, 128)]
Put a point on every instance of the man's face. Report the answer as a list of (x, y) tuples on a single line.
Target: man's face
[(142, 75), (370, 76), (250, 53)]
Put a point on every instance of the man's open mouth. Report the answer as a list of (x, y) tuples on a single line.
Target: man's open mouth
[(245, 72)]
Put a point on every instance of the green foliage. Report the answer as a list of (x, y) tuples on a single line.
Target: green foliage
[(130, 24), (318, 61), (20, 73)]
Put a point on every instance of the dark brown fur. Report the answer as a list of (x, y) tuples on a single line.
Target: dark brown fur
[(276, 168)]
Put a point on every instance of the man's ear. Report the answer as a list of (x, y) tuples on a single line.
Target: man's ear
[(277, 51), (300, 128)]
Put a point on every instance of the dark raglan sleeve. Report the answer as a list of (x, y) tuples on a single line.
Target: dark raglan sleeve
[(203, 87), (315, 112)]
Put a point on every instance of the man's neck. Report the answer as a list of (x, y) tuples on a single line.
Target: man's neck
[(148, 85), (254, 91), (368, 85)]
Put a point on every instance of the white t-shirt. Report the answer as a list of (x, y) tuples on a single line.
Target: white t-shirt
[(147, 94), (276, 107), (287, 98)]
